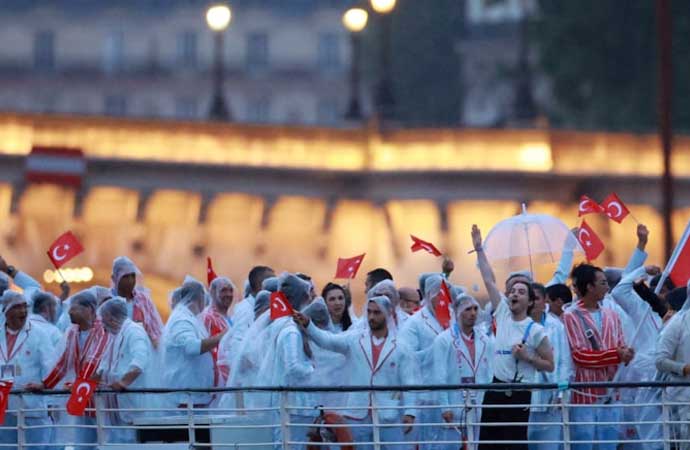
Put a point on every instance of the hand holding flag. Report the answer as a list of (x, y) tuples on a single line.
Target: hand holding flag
[(66, 247), (419, 244), (348, 267)]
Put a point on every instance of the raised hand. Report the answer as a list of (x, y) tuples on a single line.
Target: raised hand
[(476, 238)]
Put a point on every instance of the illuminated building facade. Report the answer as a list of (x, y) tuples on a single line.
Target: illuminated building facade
[(169, 194)]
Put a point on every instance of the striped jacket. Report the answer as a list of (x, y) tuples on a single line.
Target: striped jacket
[(593, 365)]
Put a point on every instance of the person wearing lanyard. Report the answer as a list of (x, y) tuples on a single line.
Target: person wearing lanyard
[(461, 355), (541, 411), (522, 350), (216, 321), (25, 358), (124, 366), (375, 357), (81, 350)]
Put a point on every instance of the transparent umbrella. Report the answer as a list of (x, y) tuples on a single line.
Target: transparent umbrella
[(528, 240)]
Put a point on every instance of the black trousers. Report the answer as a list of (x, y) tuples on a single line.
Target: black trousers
[(497, 415)]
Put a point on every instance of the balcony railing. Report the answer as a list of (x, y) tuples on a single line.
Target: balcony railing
[(283, 417)]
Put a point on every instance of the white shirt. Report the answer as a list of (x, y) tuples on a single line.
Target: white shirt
[(508, 334)]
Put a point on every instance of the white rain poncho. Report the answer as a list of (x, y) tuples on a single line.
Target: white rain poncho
[(182, 363), (453, 363), (40, 301), (129, 349), (141, 308), (387, 288), (216, 321), (395, 366), (328, 365)]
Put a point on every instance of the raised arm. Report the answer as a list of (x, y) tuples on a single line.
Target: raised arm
[(485, 268), (560, 276), (624, 294), (639, 256), (339, 342)]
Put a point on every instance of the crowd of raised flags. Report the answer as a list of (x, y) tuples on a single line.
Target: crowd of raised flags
[(609, 324)]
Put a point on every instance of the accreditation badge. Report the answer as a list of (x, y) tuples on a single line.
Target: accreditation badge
[(8, 371)]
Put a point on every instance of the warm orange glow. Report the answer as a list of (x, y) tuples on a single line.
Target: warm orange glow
[(348, 150)]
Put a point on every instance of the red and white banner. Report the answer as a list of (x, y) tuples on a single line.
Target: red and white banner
[(678, 267), (5, 388), (82, 391), (442, 309), (66, 247), (588, 206), (614, 208), (57, 165), (280, 307), (420, 244), (348, 267), (590, 242)]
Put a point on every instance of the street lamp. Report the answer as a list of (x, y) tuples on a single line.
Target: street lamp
[(218, 19), (355, 19), (383, 93)]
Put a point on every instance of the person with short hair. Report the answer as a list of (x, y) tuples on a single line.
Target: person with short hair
[(216, 321), (598, 346)]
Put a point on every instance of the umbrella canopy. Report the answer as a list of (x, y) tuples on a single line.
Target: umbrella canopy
[(528, 240)]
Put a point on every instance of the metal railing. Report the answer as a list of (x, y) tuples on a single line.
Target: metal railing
[(647, 414)]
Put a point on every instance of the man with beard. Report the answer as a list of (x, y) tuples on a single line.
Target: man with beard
[(375, 357), (81, 351), (461, 355)]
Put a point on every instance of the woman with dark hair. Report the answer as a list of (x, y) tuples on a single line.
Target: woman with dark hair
[(336, 301)]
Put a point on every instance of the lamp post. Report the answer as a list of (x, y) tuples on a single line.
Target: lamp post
[(218, 19), (524, 106), (384, 98), (354, 20)]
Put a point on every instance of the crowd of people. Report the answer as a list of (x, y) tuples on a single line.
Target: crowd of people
[(606, 325)]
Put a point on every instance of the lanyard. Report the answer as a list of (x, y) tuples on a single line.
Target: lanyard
[(16, 348), (459, 353), (517, 361)]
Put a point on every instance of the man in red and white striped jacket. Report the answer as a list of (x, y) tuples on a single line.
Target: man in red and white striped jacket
[(597, 346)]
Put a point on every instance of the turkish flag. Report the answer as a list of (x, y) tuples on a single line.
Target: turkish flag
[(280, 307), (590, 242), (64, 248), (588, 206), (82, 391), (419, 244), (5, 387), (210, 274), (615, 208), (678, 267), (348, 267), (442, 310)]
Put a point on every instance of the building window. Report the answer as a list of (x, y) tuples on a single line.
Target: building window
[(329, 56), (115, 105), (257, 51), (187, 49), (186, 108), (114, 52), (259, 110), (327, 112), (44, 50)]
